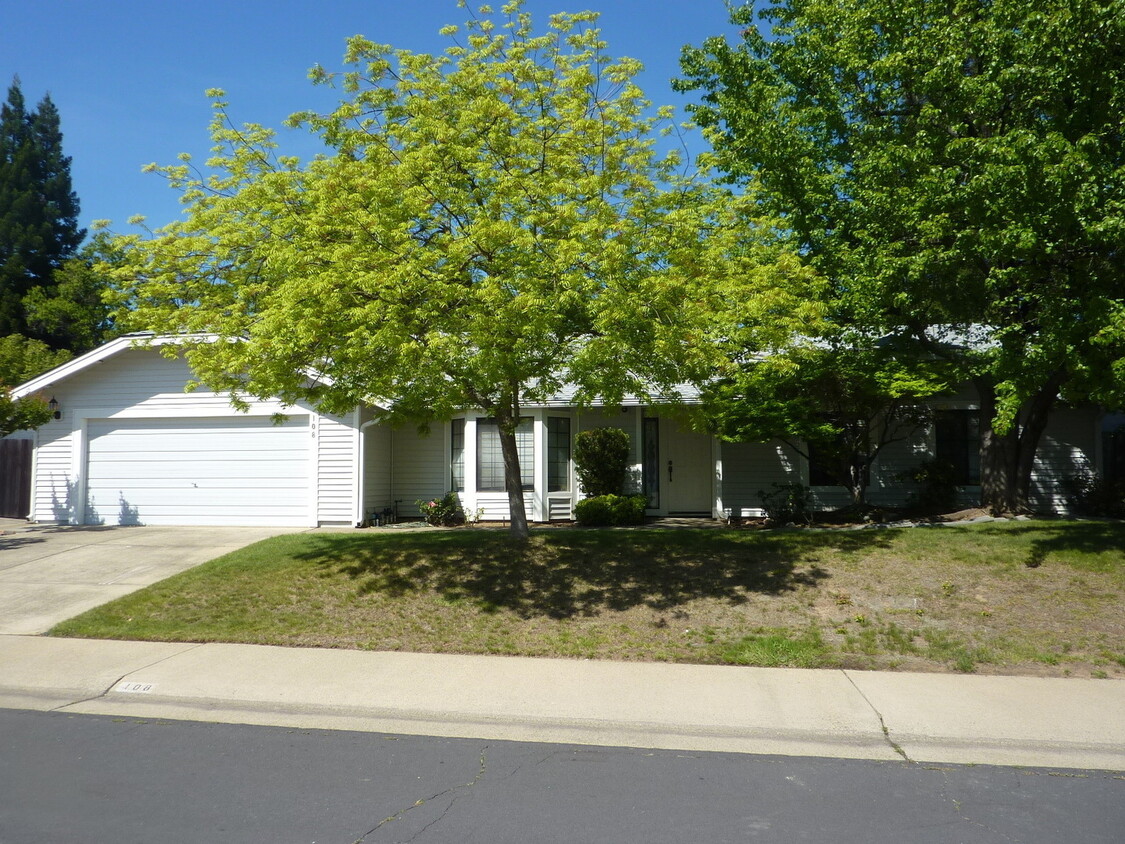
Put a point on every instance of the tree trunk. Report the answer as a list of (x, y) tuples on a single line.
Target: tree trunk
[(998, 461), (507, 421), (1035, 423), (1007, 459), (857, 482)]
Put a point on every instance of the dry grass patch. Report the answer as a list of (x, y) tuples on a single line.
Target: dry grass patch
[(1019, 597)]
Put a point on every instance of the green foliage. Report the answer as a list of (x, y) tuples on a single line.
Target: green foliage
[(21, 414), (956, 171), (844, 399), (787, 503), (486, 226), (608, 510), (1091, 495), (443, 512), (779, 649), (38, 210), (937, 483), (74, 313), (21, 359), (601, 460)]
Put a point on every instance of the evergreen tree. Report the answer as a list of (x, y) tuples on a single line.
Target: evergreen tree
[(38, 209)]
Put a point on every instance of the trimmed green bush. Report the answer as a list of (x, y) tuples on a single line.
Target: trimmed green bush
[(605, 510), (601, 460)]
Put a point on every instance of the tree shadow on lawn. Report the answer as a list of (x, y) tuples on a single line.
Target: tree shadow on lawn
[(562, 574)]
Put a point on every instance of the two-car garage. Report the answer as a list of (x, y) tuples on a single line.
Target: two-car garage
[(230, 470), (137, 440)]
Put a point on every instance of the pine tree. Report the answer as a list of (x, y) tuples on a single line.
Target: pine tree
[(38, 209)]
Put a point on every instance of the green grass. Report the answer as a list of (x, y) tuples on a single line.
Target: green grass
[(949, 598)]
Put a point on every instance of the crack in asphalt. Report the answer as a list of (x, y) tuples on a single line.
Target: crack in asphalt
[(454, 790), (894, 745)]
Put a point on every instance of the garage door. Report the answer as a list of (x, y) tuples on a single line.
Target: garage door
[(222, 471)]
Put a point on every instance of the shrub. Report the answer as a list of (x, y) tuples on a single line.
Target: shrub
[(1091, 495), (443, 512), (938, 488), (601, 460), (787, 503), (611, 510)]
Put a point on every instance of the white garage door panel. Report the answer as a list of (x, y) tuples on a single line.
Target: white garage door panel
[(186, 472), (221, 471)]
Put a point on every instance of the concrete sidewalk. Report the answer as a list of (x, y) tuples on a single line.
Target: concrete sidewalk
[(933, 718)]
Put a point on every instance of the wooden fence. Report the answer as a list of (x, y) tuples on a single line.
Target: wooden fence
[(15, 478)]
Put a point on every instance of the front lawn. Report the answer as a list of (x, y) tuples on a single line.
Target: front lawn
[(1035, 597)]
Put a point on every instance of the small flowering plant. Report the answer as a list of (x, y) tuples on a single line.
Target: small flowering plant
[(443, 512)]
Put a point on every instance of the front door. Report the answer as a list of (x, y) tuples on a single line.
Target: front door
[(679, 468)]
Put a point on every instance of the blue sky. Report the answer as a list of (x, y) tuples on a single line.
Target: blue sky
[(129, 77)]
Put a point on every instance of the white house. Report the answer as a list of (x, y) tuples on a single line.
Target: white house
[(131, 446)]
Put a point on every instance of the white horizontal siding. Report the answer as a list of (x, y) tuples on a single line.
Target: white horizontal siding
[(377, 469), (1067, 449), (337, 463), (420, 469), (493, 506), (54, 491), (749, 468)]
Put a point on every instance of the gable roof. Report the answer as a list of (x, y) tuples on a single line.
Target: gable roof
[(91, 358), (124, 343)]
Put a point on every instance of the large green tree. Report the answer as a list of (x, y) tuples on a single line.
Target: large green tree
[(838, 402), (487, 226), (38, 208), (957, 170)]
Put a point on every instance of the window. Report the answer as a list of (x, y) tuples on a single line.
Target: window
[(650, 474), (820, 471), (490, 459), (457, 449), (957, 442), (558, 454)]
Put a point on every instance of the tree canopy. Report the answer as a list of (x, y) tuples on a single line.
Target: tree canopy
[(957, 171), (38, 209), (838, 402), (21, 359), (486, 226)]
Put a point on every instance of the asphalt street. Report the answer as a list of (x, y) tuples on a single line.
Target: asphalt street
[(93, 779)]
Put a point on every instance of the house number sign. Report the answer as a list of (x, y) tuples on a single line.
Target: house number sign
[(135, 688)]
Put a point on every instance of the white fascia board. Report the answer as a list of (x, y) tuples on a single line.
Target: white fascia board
[(96, 356), (136, 341)]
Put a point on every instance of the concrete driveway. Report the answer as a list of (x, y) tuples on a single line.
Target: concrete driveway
[(50, 573)]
